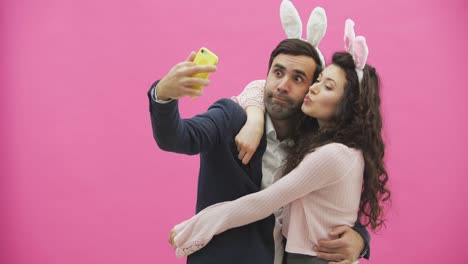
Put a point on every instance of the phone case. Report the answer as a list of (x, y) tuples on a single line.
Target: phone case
[(204, 57)]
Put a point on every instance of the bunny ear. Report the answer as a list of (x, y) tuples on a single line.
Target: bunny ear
[(360, 52), (291, 20), (317, 26), (349, 35)]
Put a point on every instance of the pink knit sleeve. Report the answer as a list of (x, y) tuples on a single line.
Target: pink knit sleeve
[(324, 166), (252, 95)]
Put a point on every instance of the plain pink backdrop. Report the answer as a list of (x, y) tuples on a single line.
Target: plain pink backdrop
[(82, 180)]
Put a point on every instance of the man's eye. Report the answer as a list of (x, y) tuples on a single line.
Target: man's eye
[(299, 79)]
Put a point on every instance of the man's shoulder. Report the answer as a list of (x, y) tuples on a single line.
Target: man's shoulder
[(226, 103), (230, 108), (228, 114)]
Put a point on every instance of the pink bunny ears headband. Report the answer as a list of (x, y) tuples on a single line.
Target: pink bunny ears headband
[(316, 27), (357, 47)]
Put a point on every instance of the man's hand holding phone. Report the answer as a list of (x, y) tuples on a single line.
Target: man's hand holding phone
[(185, 79)]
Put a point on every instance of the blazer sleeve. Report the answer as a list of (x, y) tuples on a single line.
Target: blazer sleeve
[(361, 230), (197, 134)]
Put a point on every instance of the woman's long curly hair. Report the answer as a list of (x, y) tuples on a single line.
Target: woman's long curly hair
[(357, 124)]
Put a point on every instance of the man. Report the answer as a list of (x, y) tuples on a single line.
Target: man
[(223, 177)]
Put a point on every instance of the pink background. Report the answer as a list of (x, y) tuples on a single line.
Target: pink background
[(82, 180)]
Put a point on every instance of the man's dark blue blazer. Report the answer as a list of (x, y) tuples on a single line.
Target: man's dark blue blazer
[(222, 176)]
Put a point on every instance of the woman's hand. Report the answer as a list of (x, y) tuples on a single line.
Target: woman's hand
[(248, 138), (171, 239)]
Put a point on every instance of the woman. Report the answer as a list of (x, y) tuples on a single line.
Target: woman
[(339, 141)]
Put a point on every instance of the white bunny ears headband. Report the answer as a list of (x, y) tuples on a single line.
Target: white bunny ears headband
[(357, 47), (316, 27)]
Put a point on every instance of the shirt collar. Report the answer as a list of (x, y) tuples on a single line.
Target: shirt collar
[(271, 132), (270, 129)]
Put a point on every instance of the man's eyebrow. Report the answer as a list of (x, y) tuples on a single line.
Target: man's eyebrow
[(277, 65), (300, 72), (297, 71)]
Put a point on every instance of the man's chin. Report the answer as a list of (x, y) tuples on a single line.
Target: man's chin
[(279, 112)]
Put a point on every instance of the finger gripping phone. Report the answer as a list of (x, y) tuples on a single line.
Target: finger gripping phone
[(204, 57)]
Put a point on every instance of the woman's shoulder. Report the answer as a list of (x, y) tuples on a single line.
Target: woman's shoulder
[(338, 150), (335, 160)]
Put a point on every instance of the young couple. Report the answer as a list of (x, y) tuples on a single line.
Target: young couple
[(317, 176)]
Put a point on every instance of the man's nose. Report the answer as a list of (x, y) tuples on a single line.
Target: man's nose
[(284, 85)]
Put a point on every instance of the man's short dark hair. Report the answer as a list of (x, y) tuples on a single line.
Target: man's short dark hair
[(297, 47)]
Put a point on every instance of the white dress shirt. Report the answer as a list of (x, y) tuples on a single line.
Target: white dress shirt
[(272, 169)]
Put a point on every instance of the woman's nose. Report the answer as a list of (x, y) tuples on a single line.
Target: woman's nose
[(314, 88)]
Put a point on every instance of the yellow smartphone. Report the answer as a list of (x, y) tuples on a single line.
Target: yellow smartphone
[(204, 57)]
